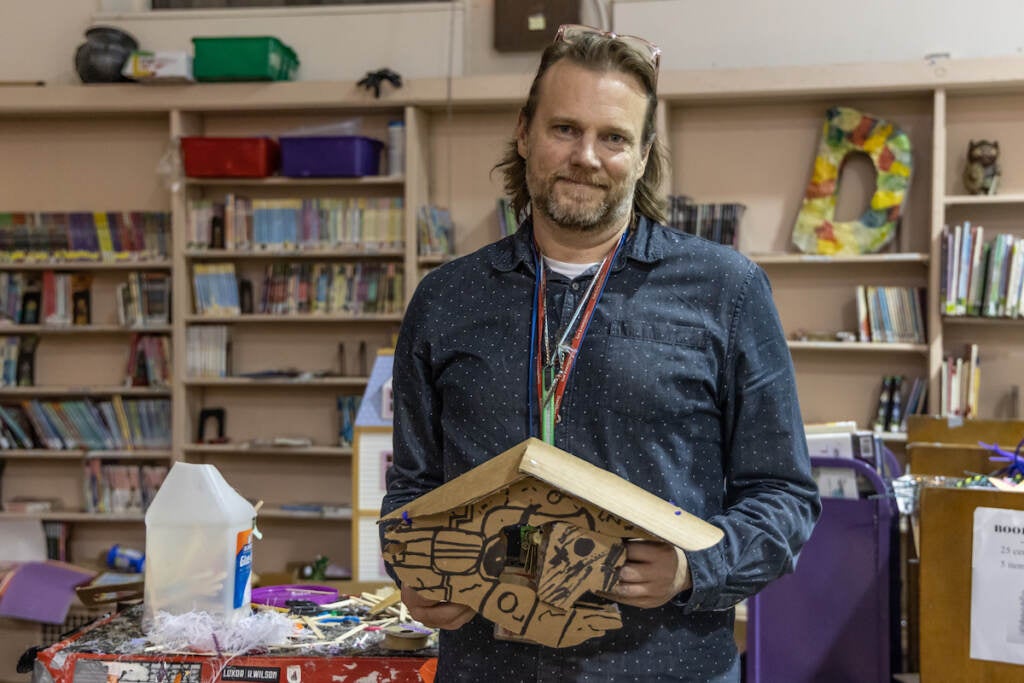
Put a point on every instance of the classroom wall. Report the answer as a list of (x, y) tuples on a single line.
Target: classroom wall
[(38, 37), (699, 34)]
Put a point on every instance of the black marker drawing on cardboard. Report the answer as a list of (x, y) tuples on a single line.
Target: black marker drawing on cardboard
[(529, 538)]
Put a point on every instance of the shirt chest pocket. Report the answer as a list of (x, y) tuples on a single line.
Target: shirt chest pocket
[(650, 371)]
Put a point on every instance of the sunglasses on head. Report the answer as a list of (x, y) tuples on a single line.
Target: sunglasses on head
[(571, 33)]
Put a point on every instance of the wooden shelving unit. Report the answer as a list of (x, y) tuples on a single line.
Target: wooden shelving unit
[(733, 135)]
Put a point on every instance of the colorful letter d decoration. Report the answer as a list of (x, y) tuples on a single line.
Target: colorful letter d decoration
[(847, 131)]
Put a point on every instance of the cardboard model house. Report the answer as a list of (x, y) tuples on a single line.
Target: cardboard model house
[(529, 539)]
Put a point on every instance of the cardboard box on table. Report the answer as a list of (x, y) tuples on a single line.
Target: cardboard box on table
[(939, 584), (61, 663), (947, 534), (950, 448)]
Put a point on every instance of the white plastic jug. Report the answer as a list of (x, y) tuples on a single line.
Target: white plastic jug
[(198, 546)]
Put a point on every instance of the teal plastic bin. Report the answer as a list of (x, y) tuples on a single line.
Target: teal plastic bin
[(243, 58)]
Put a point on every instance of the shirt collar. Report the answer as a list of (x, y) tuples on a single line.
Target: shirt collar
[(645, 244)]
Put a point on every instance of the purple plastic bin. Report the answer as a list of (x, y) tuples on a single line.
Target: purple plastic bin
[(345, 156)]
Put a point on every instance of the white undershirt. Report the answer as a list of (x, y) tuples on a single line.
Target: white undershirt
[(570, 270)]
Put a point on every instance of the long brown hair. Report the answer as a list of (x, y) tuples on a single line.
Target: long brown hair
[(599, 53)]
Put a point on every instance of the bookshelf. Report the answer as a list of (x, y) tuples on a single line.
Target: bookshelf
[(327, 353), (744, 136)]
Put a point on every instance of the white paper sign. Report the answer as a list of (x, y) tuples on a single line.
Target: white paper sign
[(997, 586)]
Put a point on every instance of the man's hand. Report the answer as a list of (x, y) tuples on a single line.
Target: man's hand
[(654, 573), (435, 614)]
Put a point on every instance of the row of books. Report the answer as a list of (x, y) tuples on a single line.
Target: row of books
[(207, 351), (299, 288), (891, 314), (115, 488), (899, 398), (144, 300), (716, 222), (85, 236), (109, 424), (63, 299), (149, 361), (46, 297), (17, 354), (244, 224), (215, 289), (981, 278), (435, 230), (355, 288), (960, 383)]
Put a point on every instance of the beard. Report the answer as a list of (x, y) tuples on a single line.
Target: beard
[(581, 209)]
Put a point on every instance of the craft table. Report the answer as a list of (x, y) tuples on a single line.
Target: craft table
[(114, 650)]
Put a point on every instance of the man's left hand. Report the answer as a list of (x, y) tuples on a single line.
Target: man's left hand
[(654, 573)]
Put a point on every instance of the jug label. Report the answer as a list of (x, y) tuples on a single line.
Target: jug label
[(243, 565)]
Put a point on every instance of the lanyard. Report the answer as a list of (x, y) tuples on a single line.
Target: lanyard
[(550, 373)]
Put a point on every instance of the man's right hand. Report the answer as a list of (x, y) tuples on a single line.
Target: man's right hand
[(435, 614)]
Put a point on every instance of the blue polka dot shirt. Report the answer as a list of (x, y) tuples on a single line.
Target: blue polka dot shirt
[(683, 385)]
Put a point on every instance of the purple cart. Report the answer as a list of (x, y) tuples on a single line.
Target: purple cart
[(836, 618)]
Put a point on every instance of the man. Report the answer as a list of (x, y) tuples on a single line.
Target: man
[(653, 354)]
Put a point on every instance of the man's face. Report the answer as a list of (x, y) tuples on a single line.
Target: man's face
[(583, 148)]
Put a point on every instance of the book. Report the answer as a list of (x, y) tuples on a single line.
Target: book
[(31, 505), (882, 411), (27, 360), (81, 299), (155, 293), (31, 303), (857, 444)]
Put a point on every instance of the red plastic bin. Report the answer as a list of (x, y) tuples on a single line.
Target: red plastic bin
[(230, 157)]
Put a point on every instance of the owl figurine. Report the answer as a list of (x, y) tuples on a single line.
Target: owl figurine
[(981, 174)]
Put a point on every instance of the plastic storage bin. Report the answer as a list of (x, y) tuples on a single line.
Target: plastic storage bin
[(243, 58), (333, 156), (229, 157)]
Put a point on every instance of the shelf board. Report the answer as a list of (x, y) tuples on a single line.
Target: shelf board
[(268, 254), (281, 181), (887, 347), (817, 259), (295, 318), (57, 330), (434, 259), (55, 390), (44, 454), (76, 516), (319, 382), (245, 449), (976, 199), (894, 437), (161, 264), (981, 320), (274, 513)]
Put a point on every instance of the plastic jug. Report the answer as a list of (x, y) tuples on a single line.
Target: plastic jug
[(198, 546)]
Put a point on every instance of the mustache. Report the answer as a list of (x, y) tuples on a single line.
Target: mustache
[(585, 180)]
